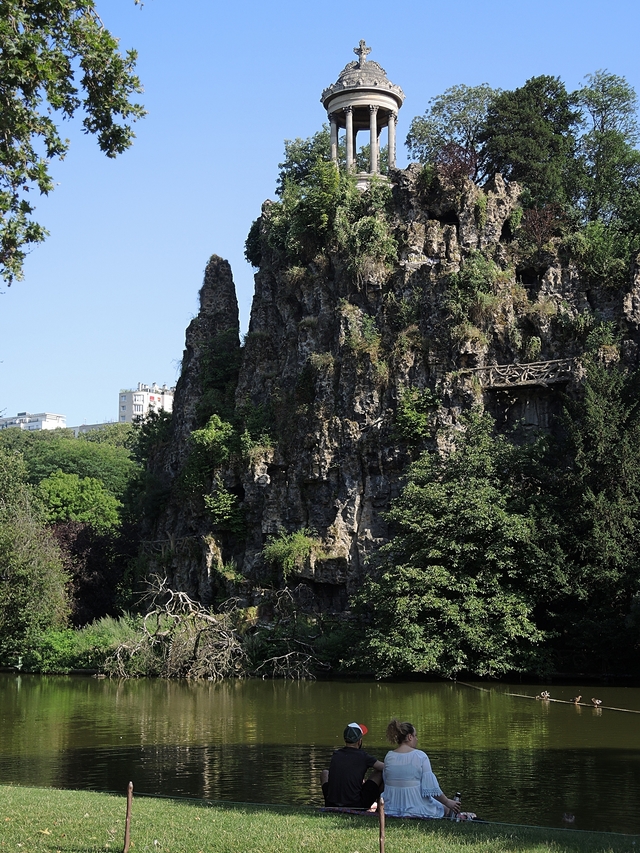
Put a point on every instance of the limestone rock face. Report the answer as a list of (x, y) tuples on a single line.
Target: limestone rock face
[(631, 305), (179, 544), (218, 313), (327, 360)]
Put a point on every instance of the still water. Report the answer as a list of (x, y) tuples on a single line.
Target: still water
[(514, 759)]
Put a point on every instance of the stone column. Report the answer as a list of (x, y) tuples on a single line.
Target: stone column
[(373, 139), (334, 138), (392, 139), (348, 111)]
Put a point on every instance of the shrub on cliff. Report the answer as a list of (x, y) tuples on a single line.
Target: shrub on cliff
[(210, 447), (320, 210), (289, 552)]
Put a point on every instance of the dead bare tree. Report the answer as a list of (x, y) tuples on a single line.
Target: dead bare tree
[(294, 657), (539, 224), (180, 638), (455, 162)]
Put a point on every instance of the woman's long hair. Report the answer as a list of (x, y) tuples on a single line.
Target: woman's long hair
[(397, 732)]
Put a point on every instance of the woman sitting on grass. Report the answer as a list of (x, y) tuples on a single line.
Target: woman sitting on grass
[(410, 786)]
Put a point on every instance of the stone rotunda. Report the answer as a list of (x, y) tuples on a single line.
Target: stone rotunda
[(363, 98)]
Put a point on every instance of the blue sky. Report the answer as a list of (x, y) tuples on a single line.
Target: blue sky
[(106, 300)]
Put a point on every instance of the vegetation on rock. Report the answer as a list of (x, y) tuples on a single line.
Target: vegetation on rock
[(290, 551), (436, 521)]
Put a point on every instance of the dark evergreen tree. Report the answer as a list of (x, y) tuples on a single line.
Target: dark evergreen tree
[(598, 626), (530, 136)]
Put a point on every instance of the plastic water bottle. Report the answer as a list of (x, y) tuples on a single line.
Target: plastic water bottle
[(456, 799)]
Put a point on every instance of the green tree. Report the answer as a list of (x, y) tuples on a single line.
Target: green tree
[(301, 223), (603, 251), (530, 136), (457, 116), (33, 594), (150, 434), (151, 438), (612, 162), (116, 434), (599, 496), (319, 208), (301, 155), (68, 497), (57, 59), (457, 587), (363, 158), (48, 451)]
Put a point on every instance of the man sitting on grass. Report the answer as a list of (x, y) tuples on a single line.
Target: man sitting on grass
[(343, 784)]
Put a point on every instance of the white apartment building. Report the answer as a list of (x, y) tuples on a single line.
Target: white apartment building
[(137, 404), (43, 420)]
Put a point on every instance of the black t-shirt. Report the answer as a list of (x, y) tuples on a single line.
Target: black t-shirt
[(346, 774)]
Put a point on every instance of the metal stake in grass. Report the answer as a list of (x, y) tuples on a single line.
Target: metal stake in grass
[(381, 816), (127, 823)]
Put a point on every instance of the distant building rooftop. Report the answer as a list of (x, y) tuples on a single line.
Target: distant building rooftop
[(28, 421), (137, 404)]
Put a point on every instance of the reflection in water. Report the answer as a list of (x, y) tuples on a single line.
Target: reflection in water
[(514, 759)]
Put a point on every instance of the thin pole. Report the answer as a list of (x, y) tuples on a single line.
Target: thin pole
[(127, 823), (381, 816)]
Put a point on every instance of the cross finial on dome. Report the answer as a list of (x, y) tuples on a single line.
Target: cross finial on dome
[(362, 51)]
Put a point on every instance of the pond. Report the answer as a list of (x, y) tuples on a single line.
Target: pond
[(514, 759)]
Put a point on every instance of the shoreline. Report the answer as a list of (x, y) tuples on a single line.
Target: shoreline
[(53, 819)]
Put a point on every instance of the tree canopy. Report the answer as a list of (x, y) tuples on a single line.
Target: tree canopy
[(457, 116), (457, 586), (610, 159), (511, 557), (598, 497), (68, 497), (301, 155), (57, 59), (33, 594), (530, 135), (49, 451)]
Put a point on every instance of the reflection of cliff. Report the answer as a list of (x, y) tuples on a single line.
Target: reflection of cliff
[(514, 760), (327, 359)]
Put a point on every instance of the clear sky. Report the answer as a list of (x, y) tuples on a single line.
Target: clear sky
[(106, 299)]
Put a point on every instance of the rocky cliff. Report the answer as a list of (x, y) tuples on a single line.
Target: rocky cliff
[(348, 371)]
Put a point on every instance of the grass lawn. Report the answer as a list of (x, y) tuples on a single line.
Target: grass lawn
[(40, 820)]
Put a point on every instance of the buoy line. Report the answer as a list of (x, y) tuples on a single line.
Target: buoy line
[(577, 704)]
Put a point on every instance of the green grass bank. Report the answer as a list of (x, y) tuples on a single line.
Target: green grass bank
[(39, 820)]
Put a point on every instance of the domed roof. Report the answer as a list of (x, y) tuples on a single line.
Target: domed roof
[(362, 74)]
